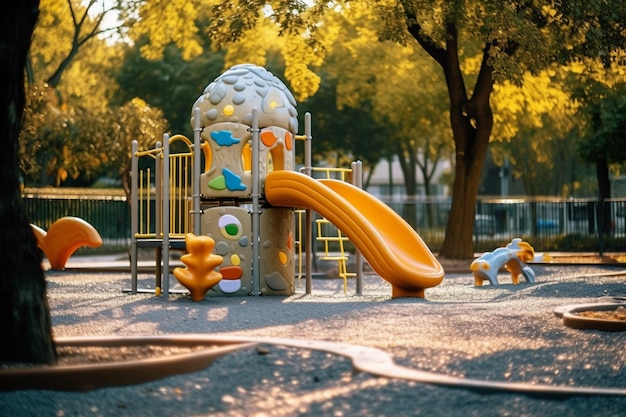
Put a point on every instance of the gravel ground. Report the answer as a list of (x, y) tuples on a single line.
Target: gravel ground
[(505, 333)]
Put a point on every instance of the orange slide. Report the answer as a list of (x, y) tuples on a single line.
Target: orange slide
[(391, 246)]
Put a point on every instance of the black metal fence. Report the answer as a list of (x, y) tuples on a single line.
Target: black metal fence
[(109, 215), (547, 224)]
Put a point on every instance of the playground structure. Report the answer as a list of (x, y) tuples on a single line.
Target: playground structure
[(514, 258), (64, 237), (245, 194)]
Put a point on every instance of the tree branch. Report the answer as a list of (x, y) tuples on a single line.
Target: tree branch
[(77, 40), (415, 29)]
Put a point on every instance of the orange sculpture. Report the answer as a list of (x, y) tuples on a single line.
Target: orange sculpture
[(199, 275), (63, 238)]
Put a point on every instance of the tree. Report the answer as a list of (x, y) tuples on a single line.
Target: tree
[(135, 120), (603, 139), (59, 143), (532, 130), (384, 79), (68, 91), (169, 83), (76, 24), (25, 325), (516, 36), (346, 132)]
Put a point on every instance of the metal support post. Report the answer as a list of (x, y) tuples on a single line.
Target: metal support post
[(134, 215), (197, 214), (357, 181), (165, 216), (308, 170), (256, 213)]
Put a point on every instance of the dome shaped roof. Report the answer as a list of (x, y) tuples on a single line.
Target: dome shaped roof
[(232, 96)]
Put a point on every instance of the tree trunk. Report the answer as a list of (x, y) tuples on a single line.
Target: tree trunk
[(408, 163), (604, 182), (471, 150), (458, 242), (471, 121), (25, 319)]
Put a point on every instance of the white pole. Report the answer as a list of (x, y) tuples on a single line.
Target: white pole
[(256, 213)]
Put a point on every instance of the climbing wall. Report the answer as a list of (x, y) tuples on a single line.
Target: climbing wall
[(231, 229), (277, 268)]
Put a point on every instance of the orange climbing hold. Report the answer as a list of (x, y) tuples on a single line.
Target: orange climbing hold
[(231, 272), (268, 138), (288, 141)]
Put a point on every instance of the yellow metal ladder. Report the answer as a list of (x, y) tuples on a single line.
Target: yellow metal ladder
[(341, 257)]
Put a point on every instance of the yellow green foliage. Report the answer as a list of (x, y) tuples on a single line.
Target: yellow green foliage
[(83, 61), (52, 39), (165, 22), (524, 107)]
